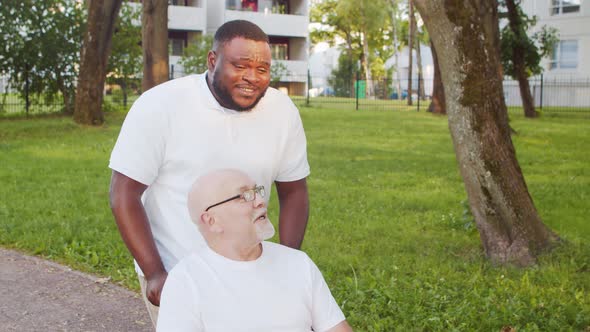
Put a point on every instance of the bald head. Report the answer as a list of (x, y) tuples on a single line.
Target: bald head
[(225, 218), (214, 187), (230, 212)]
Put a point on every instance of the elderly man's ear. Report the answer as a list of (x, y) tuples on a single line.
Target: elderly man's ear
[(209, 222)]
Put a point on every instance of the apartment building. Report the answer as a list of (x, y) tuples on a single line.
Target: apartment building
[(572, 19), (284, 21), (566, 71)]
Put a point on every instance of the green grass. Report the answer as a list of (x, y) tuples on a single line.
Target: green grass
[(388, 227)]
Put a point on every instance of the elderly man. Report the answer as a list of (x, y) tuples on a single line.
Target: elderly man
[(239, 282)]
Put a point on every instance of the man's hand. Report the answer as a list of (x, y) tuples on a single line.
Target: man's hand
[(342, 327), (154, 287)]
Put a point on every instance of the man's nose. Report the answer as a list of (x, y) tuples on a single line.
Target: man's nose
[(251, 76), (259, 201)]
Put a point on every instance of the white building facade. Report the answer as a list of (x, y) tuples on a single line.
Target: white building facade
[(566, 75), (284, 21), (572, 20)]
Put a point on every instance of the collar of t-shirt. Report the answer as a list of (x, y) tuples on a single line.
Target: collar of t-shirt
[(225, 262)]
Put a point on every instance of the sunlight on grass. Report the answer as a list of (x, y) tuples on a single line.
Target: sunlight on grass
[(389, 224)]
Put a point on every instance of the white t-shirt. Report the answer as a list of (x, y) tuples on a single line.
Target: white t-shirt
[(177, 131), (282, 290)]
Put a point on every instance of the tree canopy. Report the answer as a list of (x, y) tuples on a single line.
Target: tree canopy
[(362, 27), (194, 57), (41, 43)]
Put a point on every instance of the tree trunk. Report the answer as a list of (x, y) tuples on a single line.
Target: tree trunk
[(353, 76), (68, 95), (69, 101), (123, 84), (370, 91), (419, 63), (398, 86), (438, 103), (93, 61), (518, 61), (154, 30), (410, 47), (466, 37)]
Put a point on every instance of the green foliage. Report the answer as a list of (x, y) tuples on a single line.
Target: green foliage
[(535, 47), (194, 58), (351, 21), (41, 43), (277, 70), (279, 6), (126, 58), (546, 39), (378, 69), (342, 78), (388, 226), (326, 24)]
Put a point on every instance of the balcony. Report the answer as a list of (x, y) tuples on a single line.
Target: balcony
[(273, 24), (187, 18), (182, 17)]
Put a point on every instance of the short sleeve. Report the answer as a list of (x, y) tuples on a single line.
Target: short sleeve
[(179, 304), (140, 147), (293, 164), (325, 311)]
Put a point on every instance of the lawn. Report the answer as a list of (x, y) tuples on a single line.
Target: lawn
[(389, 226)]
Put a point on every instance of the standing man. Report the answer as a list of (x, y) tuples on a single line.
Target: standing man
[(179, 130)]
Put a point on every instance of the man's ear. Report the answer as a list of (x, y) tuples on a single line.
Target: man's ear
[(210, 223), (211, 60)]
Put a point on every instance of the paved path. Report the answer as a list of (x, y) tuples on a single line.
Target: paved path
[(37, 295)]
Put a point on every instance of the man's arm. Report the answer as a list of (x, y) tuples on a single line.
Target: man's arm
[(294, 211), (125, 198), (341, 327)]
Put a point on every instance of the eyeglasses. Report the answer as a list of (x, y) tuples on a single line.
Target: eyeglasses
[(248, 196)]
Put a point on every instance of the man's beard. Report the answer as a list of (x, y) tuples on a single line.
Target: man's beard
[(265, 231), (227, 100)]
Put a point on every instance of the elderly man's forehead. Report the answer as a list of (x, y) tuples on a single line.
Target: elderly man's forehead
[(238, 186), (231, 180)]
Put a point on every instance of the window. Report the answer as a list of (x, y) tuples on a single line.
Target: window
[(177, 41), (245, 5), (176, 46), (280, 6), (565, 55), (279, 48), (559, 7), (279, 51)]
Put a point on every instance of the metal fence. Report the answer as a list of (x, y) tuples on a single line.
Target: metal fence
[(551, 95)]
